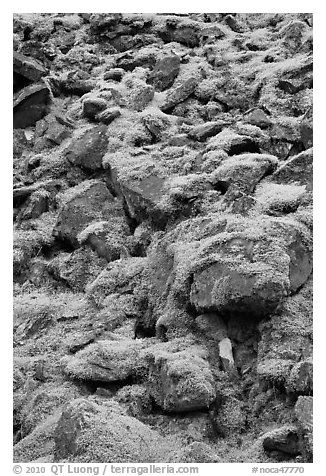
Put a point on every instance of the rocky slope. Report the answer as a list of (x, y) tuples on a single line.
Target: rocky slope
[(162, 237)]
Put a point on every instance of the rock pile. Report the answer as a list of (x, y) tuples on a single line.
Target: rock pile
[(162, 237)]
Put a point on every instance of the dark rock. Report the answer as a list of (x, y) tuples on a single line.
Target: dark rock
[(88, 150), (233, 23), (298, 169), (75, 82), (37, 204), (165, 72), (306, 130), (179, 93), (93, 106), (83, 204), (114, 74), (28, 67), (108, 115), (283, 439), (259, 118), (203, 131), (30, 105), (49, 132), (287, 86)]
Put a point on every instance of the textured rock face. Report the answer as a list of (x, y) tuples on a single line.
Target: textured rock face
[(88, 150), (163, 198), (181, 381), (30, 105), (83, 205)]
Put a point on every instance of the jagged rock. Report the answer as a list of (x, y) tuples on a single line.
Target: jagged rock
[(226, 355), (179, 93), (109, 239), (74, 82), (301, 377), (89, 431), (27, 67), (119, 276), (30, 105), (50, 132), (203, 131), (283, 439), (180, 381), (87, 151), (108, 361), (306, 130), (298, 169), (37, 204), (88, 202), (244, 171), (165, 72), (78, 268)]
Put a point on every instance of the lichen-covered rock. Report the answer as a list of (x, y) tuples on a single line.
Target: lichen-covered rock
[(121, 275), (91, 432), (304, 415), (88, 150), (283, 439), (107, 361), (180, 380), (196, 452), (88, 202)]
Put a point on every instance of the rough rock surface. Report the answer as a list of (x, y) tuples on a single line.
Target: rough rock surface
[(163, 182)]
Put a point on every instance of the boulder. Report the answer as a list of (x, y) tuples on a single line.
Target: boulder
[(179, 93), (107, 361), (120, 276), (301, 378), (28, 67), (284, 439), (77, 269), (87, 151), (203, 131), (108, 115), (114, 74), (297, 169), (30, 105), (88, 202), (258, 117), (164, 73), (89, 431), (180, 381), (93, 106), (50, 132)]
